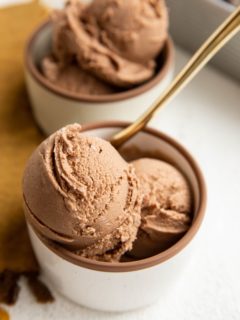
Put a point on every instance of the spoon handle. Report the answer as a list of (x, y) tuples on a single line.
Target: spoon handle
[(209, 48)]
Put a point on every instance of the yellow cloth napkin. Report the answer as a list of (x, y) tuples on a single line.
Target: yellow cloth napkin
[(18, 137)]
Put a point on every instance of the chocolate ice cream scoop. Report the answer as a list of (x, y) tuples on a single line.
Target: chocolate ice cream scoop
[(114, 41), (79, 192), (166, 207), (136, 30), (72, 78)]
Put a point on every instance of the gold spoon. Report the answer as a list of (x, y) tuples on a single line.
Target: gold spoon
[(209, 48)]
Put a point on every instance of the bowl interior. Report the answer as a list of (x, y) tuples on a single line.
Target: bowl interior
[(41, 46)]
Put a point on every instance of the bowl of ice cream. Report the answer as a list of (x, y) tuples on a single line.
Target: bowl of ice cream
[(112, 230), (102, 61)]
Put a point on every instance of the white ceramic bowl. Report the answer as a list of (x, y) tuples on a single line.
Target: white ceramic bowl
[(127, 285), (54, 108), (192, 22)]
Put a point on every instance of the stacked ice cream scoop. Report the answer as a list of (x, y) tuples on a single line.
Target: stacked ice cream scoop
[(107, 46), (79, 192)]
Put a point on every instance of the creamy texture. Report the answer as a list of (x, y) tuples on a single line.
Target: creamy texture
[(166, 207), (135, 29), (72, 78), (79, 191), (116, 41)]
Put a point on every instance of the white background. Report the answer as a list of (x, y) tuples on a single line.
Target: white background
[(205, 118)]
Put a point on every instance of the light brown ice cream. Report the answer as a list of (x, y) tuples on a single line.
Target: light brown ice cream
[(166, 207), (72, 78), (79, 191), (113, 40), (135, 29)]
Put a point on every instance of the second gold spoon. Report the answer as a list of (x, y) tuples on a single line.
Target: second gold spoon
[(210, 47)]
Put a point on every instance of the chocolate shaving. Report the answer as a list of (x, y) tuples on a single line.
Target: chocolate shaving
[(39, 289), (9, 288)]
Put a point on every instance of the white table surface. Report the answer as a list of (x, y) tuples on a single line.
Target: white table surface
[(205, 118)]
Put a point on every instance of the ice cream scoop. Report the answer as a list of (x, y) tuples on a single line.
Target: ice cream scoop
[(72, 78), (115, 41), (209, 48), (78, 191), (166, 207), (135, 30)]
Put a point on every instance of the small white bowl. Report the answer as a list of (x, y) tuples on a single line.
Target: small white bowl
[(127, 285), (54, 108), (192, 22)]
